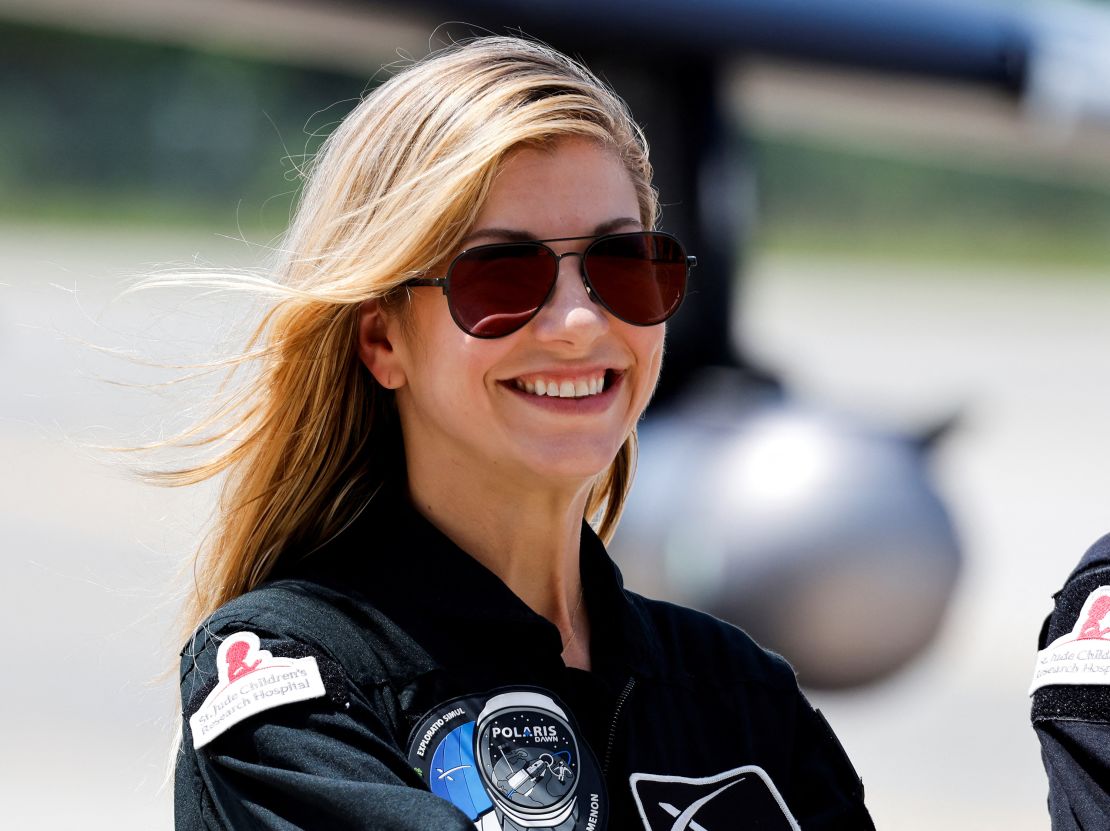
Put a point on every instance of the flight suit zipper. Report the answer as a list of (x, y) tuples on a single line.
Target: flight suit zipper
[(613, 724)]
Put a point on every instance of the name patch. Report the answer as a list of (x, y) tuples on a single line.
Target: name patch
[(251, 680), (1082, 656)]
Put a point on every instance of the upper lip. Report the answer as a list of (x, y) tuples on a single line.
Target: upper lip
[(587, 382), (563, 373)]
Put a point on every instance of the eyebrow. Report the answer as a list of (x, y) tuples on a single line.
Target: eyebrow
[(516, 235)]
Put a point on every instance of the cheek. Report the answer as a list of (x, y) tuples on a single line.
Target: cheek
[(647, 343), (654, 338), (452, 373)]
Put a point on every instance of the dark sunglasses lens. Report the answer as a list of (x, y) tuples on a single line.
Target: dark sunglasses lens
[(496, 289), (641, 278)]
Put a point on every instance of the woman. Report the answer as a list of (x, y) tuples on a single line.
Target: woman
[(403, 620)]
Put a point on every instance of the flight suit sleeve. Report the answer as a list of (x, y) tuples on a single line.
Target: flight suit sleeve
[(830, 792), (1072, 721), (331, 761)]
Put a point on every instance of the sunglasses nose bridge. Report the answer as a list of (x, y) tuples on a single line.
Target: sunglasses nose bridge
[(572, 299), (581, 270)]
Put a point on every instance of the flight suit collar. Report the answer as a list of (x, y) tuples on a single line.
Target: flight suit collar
[(460, 611)]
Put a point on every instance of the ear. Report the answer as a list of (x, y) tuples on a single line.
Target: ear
[(378, 335)]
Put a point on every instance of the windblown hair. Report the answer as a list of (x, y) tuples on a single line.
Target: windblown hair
[(309, 435)]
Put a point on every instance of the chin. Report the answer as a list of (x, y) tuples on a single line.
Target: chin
[(578, 465)]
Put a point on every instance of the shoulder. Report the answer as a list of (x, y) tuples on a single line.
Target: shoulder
[(296, 618), (283, 606), (289, 611), (341, 650), (1097, 556), (701, 646), (1091, 575), (275, 621)]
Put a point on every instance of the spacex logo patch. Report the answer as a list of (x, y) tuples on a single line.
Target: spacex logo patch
[(743, 797)]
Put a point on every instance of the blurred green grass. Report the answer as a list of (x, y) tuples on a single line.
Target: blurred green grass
[(104, 130), (855, 202), (101, 131), (1075, 251)]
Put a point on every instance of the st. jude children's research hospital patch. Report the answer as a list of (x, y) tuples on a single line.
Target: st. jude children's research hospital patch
[(251, 680), (1081, 656)]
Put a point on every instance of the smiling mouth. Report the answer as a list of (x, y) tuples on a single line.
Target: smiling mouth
[(580, 387)]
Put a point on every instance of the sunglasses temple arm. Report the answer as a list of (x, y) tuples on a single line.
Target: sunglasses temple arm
[(437, 282)]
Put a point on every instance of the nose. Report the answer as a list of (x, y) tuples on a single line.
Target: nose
[(571, 314)]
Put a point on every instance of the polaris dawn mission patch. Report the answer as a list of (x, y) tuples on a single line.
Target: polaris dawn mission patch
[(510, 760)]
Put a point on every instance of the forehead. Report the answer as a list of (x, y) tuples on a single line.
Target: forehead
[(562, 189)]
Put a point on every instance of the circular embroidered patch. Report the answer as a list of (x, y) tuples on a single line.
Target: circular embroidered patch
[(510, 760)]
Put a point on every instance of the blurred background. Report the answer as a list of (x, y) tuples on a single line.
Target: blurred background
[(915, 252)]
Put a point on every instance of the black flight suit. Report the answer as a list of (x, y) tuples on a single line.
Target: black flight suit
[(401, 622)]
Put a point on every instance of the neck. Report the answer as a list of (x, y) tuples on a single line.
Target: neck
[(530, 538)]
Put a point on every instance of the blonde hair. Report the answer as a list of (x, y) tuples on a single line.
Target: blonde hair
[(390, 195)]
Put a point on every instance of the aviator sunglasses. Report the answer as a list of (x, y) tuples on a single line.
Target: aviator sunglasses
[(493, 290)]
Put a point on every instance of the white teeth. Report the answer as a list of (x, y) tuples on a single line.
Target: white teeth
[(576, 388)]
